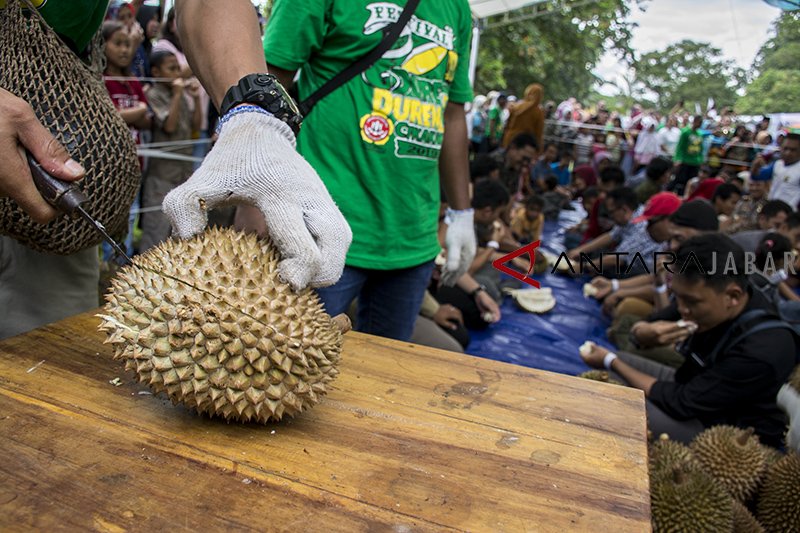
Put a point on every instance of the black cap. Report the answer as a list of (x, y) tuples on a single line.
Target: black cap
[(697, 214)]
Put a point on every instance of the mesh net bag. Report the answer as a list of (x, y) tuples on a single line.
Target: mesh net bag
[(69, 98)]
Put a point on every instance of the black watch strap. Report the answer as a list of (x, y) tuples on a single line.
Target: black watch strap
[(475, 292), (266, 92)]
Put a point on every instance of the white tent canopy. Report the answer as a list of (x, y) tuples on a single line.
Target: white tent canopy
[(487, 8)]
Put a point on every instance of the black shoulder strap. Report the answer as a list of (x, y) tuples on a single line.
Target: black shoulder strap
[(390, 35), (745, 318)]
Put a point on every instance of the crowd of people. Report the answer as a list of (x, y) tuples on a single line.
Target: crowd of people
[(491, 177), (700, 186)]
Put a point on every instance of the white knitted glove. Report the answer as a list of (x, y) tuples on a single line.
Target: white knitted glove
[(789, 401), (255, 162), (460, 244)]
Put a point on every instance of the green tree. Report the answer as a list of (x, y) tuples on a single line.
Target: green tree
[(691, 72), (775, 71), (556, 43)]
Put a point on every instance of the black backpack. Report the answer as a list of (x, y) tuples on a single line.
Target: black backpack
[(761, 319)]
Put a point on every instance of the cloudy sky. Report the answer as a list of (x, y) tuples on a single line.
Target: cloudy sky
[(738, 27)]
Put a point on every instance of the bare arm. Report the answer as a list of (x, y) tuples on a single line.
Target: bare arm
[(454, 159), (603, 241), (136, 117), (637, 379), (171, 122), (219, 61), (286, 77)]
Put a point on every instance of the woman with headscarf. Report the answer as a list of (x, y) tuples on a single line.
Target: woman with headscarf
[(527, 116), (585, 176)]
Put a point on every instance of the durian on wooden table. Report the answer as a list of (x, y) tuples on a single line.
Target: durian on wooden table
[(409, 438)]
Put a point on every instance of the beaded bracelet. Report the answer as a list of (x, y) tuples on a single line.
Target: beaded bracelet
[(238, 111)]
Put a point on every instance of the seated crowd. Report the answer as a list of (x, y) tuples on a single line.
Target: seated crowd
[(708, 338)]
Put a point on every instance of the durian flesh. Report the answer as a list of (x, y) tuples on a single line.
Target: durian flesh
[(208, 321)]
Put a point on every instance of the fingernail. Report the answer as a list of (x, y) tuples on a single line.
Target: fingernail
[(74, 168)]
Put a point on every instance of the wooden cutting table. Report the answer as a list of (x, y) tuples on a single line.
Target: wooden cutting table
[(410, 438)]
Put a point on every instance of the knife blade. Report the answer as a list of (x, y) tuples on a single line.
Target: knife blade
[(68, 198)]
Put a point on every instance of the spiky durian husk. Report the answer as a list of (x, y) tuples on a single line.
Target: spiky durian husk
[(771, 456), (689, 500), (208, 321), (779, 498), (732, 456), (665, 455), (599, 375), (743, 520)]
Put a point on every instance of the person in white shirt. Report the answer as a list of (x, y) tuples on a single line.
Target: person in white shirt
[(785, 173), (668, 136)]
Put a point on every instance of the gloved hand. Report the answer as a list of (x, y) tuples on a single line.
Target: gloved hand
[(255, 162), (789, 401), (460, 244)]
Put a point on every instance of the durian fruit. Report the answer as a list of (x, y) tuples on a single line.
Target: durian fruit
[(689, 500), (665, 455), (743, 520), (779, 499), (208, 321), (599, 375), (771, 456), (732, 456)]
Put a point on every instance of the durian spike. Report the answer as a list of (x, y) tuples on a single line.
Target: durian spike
[(342, 322)]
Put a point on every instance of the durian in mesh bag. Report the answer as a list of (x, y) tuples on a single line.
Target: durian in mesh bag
[(208, 321), (69, 98)]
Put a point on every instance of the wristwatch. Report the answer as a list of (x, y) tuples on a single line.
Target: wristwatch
[(475, 291), (265, 91)]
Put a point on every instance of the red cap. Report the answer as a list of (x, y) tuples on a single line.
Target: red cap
[(706, 188), (663, 203)]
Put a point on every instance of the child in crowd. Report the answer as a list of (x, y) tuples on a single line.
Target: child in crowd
[(561, 168), (543, 167), (128, 98), (574, 235), (724, 200), (173, 122), (527, 221), (555, 198)]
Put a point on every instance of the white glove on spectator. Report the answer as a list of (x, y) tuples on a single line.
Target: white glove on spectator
[(255, 162), (460, 244), (789, 401)]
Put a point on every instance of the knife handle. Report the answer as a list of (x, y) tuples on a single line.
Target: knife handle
[(63, 195)]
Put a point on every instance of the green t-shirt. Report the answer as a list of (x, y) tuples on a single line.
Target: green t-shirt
[(690, 147), (376, 140), (76, 21), (495, 119)]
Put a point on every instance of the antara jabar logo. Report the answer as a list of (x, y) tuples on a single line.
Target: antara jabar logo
[(530, 249)]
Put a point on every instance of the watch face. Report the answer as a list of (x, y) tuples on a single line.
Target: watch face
[(286, 98)]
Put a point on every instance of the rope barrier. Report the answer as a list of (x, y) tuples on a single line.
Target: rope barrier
[(606, 129), (161, 154), (561, 140)]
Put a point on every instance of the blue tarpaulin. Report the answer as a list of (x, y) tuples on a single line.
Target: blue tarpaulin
[(549, 341)]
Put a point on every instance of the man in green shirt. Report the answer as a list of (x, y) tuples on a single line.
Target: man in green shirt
[(688, 155), (254, 161), (496, 124), (381, 140)]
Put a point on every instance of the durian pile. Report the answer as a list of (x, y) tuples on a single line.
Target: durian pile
[(724, 481), (208, 321)]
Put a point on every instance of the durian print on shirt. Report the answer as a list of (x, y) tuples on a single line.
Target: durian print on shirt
[(410, 85)]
